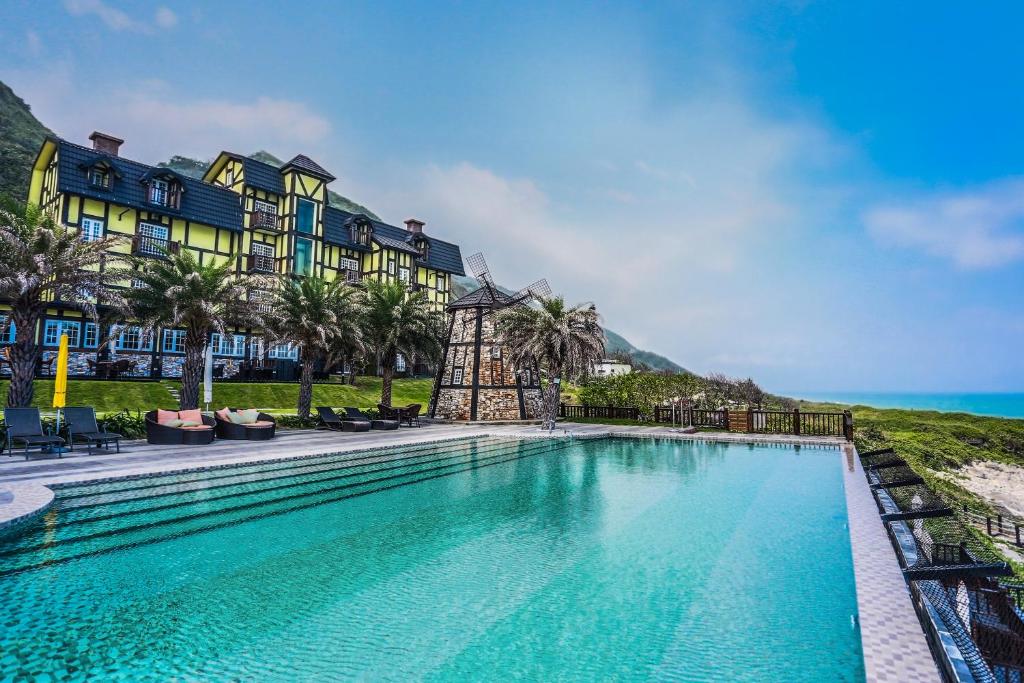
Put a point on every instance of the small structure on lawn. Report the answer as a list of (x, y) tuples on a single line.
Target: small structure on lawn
[(476, 379)]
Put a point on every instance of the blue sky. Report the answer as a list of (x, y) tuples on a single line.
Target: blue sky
[(823, 196)]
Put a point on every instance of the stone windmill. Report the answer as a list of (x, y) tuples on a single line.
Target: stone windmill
[(476, 380)]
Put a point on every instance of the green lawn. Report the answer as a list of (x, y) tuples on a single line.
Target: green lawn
[(108, 397)]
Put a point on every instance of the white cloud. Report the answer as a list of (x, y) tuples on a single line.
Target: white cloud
[(975, 229), (118, 20), (157, 120)]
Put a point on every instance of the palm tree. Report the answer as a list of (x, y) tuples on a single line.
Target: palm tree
[(565, 341), (42, 262), (322, 319), (397, 321), (180, 292)]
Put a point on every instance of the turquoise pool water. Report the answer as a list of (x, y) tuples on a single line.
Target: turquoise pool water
[(483, 559)]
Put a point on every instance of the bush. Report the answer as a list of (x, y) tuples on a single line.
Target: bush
[(128, 425), (296, 422)]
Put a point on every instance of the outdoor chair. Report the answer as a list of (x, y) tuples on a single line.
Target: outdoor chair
[(262, 429), (25, 426), (81, 424), (330, 420), (170, 434), (411, 414), (357, 415)]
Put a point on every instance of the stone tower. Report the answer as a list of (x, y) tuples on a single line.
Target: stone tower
[(476, 380)]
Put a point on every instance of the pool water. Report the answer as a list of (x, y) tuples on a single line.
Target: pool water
[(480, 559)]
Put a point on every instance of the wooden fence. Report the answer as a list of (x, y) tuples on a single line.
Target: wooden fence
[(749, 421)]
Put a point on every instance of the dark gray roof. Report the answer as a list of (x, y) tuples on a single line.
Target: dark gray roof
[(442, 255), (200, 202), (262, 175), (307, 165), (482, 297)]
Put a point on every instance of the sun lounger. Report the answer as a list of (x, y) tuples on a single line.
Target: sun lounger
[(25, 427), (356, 414), (82, 425)]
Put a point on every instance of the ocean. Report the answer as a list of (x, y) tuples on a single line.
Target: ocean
[(996, 405)]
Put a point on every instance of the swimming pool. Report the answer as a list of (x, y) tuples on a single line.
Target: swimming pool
[(486, 558)]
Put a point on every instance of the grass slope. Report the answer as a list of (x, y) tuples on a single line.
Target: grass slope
[(109, 397), (21, 136)]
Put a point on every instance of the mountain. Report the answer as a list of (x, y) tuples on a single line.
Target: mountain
[(617, 344), (21, 136), (196, 169)]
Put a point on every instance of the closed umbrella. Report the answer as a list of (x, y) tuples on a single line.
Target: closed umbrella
[(208, 377), (60, 383)]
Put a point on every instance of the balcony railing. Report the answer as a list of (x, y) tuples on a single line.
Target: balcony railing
[(264, 220), (260, 263), (261, 300), (351, 275), (143, 245)]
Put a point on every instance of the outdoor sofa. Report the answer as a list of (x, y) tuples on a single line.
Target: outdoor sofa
[(186, 427), (244, 425)]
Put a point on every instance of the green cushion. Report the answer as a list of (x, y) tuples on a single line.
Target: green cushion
[(237, 418), (173, 423), (188, 423), (249, 416)]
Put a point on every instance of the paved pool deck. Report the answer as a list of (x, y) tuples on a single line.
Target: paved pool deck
[(895, 649)]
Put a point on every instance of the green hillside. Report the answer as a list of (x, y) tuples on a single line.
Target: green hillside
[(21, 135), (195, 169)]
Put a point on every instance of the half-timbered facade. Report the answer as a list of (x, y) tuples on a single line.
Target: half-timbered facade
[(268, 220)]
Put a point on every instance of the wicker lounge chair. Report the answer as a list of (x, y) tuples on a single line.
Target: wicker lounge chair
[(81, 425), (411, 414), (25, 426), (167, 435), (262, 430), (330, 420), (357, 415)]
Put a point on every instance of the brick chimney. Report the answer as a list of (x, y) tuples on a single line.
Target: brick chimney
[(414, 225), (108, 144)]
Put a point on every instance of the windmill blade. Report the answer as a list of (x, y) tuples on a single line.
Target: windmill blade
[(478, 266), (538, 290)]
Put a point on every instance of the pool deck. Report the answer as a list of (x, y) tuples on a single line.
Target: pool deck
[(893, 641)]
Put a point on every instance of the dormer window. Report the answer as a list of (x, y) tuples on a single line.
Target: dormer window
[(158, 192), (163, 188), (362, 233), (423, 247), (99, 177)]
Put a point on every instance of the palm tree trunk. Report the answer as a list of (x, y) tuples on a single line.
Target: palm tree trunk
[(387, 375), (23, 357), (306, 385), (192, 370), (550, 397)]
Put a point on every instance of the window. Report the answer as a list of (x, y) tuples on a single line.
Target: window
[(303, 257), (285, 351), (174, 341), (423, 247), (91, 229), (263, 249), (54, 328), (265, 207), (305, 217), (361, 233), (158, 192), (228, 345), (229, 177), (152, 239), (391, 267), (403, 275), (349, 264), (457, 376), (92, 336), (400, 363), (99, 177), (495, 352), (440, 283), (7, 331), (132, 338)]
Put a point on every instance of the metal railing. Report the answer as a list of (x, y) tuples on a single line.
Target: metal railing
[(144, 245), (260, 263), (263, 220)]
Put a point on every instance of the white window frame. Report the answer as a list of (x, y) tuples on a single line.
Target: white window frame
[(90, 229), (159, 191), (262, 249), (346, 263), (439, 283), (403, 275), (102, 174), (400, 363), (52, 330), (228, 345), (145, 342), (261, 206), (457, 376), (174, 341), (229, 177), (391, 266), (153, 231), (91, 336), (284, 351)]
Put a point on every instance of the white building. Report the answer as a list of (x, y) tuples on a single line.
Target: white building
[(610, 367)]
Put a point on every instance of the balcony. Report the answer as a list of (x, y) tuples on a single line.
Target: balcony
[(261, 300), (264, 221), (351, 276), (260, 263), (143, 245)]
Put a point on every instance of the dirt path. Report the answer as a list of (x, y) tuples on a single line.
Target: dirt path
[(996, 482)]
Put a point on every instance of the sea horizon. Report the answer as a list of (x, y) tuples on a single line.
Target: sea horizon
[(989, 404)]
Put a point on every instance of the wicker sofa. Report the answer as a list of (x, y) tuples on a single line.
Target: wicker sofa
[(166, 435), (261, 430)]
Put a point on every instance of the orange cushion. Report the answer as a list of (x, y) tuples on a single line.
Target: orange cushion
[(223, 414), (260, 423), (162, 416), (198, 427), (195, 415)]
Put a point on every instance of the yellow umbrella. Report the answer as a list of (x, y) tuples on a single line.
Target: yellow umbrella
[(60, 384)]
